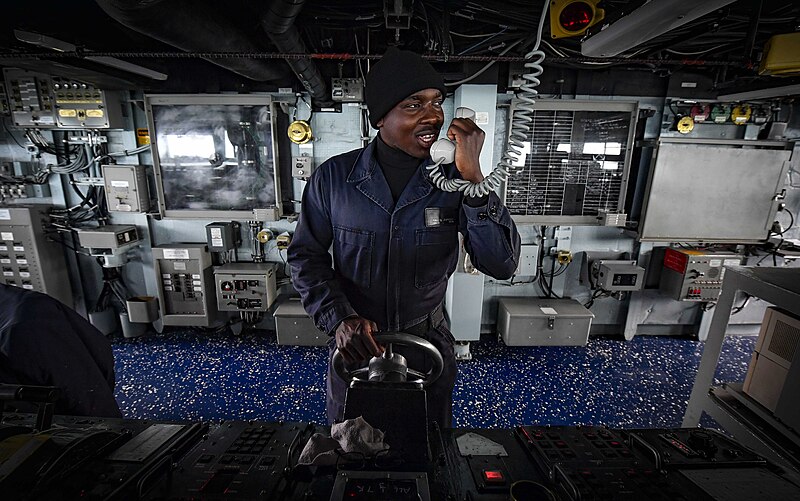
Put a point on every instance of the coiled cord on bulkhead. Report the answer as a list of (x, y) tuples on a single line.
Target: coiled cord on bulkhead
[(520, 126)]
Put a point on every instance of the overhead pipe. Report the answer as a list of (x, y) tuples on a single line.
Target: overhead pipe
[(278, 23), (194, 27)]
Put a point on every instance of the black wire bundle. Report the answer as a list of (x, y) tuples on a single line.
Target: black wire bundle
[(113, 288)]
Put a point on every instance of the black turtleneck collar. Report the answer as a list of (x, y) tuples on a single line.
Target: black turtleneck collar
[(393, 158), (398, 166)]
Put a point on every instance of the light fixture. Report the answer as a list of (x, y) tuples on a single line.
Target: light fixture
[(652, 19), (786, 90)]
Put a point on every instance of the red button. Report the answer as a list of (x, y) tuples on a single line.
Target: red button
[(493, 477)]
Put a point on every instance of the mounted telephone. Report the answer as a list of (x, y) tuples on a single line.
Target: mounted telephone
[(443, 151)]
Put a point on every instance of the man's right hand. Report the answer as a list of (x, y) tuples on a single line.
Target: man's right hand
[(354, 339)]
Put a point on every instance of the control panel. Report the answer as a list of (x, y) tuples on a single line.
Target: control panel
[(619, 275), (347, 90), (89, 458), (98, 458), (550, 447), (238, 460), (691, 448), (695, 274), (44, 101), (28, 258), (184, 274), (245, 286)]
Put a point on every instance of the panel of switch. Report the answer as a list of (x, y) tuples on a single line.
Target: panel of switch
[(28, 258), (44, 101), (184, 274), (245, 286), (301, 167), (695, 275), (347, 90)]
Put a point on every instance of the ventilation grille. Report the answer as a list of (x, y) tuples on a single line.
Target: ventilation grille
[(784, 340), (575, 166)]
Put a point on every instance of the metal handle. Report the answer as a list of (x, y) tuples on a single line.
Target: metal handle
[(398, 338)]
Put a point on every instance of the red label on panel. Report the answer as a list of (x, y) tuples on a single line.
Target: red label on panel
[(675, 260)]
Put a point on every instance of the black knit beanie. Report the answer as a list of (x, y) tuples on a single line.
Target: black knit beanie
[(396, 76)]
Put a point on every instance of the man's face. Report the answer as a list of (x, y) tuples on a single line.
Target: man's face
[(414, 123)]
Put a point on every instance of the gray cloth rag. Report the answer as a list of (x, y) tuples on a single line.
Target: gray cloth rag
[(353, 435)]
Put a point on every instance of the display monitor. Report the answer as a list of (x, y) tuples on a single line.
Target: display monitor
[(214, 156)]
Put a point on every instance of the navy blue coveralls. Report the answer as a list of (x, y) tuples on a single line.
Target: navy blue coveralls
[(44, 343), (391, 261)]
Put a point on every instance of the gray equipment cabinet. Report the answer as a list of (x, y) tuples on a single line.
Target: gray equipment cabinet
[(523, 321), (726, 190), (779, 286), (294, 327)]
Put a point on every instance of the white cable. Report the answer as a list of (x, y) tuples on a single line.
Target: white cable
[(520, 125)]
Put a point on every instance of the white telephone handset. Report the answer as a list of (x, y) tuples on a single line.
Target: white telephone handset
[(443, 151)]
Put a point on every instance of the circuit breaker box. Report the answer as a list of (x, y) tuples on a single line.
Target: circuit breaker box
[(245, 286), (695, 275), (184, 275), (526, 321), (29, 259)]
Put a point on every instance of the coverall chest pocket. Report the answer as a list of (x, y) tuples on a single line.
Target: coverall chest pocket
[(436, 253), (352, 250)]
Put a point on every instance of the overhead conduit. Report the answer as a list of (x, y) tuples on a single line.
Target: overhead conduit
[(195, 27), (278, 22)]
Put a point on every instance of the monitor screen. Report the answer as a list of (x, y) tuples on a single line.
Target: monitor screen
[(213, 158)]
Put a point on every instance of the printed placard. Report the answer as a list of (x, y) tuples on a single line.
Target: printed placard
[(176, 254)]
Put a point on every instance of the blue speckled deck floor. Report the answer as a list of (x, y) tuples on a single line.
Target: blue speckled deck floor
[(641, 383)]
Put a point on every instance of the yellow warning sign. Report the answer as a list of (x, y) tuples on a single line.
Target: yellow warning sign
[(142, 137)]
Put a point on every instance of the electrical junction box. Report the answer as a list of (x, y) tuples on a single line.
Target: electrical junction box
[(619, 276), (294, 327), (526, 321), (221, 237), (301, 167), (183, 277), (528, 259), (695, 275), (606, 218), (112, 236), (126, 188), (347, 90), (28, 257), (245, 286), (781, 55), (563, 236), (283, 240)]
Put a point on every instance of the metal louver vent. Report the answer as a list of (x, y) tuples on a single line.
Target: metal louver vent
[(577, 164), (784, 340)]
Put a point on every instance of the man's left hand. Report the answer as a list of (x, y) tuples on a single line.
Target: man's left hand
[(469, 141)]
